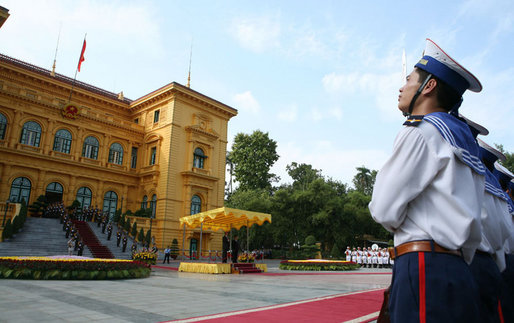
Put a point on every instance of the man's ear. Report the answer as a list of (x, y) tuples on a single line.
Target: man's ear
[(430, 87)]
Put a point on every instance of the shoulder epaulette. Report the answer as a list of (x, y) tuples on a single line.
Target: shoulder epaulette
[(413, 121)]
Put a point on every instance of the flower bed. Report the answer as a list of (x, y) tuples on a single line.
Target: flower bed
[(65, 267), (318, 265), (244, 257), (146, 257)]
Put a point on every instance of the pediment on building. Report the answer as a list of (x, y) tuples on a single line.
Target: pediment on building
[(201, 130)]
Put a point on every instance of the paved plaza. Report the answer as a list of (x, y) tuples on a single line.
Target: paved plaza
[(170, 295)]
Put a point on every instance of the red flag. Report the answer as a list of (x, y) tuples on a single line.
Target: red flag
[(81, 59)]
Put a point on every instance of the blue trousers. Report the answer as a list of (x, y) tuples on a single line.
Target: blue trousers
[(489, 282), (507, 297), (433, 287)]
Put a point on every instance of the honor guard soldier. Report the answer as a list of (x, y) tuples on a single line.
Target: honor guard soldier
[(429, 194), (118, 238), (507, 300), (489, 259), (124, 243), (348, 254), (80, 248), (109, 231)]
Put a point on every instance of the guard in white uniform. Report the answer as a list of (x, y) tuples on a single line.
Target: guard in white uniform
[(364, 257), (354, 255), (348, 254), (489, 258), (370, 257), (507, 298), (430, 193), (359, 255)]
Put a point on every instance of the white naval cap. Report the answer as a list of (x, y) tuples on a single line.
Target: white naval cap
[(436, 62), (503, 174), (476, 129), (489, 153)]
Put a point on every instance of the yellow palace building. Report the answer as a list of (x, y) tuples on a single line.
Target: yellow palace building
[(165, 151)]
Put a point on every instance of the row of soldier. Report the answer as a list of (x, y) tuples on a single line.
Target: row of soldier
[(368, 257), (75, 242), (448, 203)]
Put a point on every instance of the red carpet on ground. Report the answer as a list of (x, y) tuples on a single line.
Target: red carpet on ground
[(360, 306)]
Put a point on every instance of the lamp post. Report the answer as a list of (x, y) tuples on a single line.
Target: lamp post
[(5, 214), (121, 206)]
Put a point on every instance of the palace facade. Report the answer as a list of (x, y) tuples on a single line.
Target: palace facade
[(165, 151)]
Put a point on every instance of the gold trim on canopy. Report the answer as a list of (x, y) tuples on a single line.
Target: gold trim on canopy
[(224, 219)]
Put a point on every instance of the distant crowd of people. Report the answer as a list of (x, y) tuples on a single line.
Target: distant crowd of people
[(368, 257)]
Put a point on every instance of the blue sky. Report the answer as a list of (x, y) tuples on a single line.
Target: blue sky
[(321, 77)]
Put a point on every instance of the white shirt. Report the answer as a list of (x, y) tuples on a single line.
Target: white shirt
[(424, 192), (495, 228)]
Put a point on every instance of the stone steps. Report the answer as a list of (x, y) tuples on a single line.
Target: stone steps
[(39, 237)]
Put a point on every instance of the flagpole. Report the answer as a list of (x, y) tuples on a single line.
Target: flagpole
[(78, 64)]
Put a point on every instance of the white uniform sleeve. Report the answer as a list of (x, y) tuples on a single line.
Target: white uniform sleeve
[(406, 174)]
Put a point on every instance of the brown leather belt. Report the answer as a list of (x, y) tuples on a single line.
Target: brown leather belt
[(417, 246)]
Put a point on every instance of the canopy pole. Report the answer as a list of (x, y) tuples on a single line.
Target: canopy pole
[(200, 247), (183, 242), (247, 241), (231, 251)]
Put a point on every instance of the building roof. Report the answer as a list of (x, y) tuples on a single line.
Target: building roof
[(62, 78)]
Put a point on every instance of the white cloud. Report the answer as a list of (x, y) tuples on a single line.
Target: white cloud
[(336, 113), (289, 113), (316, 115), (257, 33), (382, 87), (113, 29), (246, 101), (339, 164)]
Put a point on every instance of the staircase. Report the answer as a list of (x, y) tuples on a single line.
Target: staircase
[(39, 237), (91, 241), (116, 250), (246, 268)]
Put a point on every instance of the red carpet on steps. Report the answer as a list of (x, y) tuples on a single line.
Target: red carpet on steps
[(359, 306)]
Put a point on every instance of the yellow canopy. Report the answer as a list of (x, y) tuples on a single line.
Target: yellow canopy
[(224, 219)]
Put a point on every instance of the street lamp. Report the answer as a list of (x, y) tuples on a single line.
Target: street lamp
[(5, 214), (121, 206)]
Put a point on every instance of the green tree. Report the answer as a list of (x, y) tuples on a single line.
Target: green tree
[(302, 174), (148, 237), (127, 225), (8, 230), (253, 156), (134, 230), (364, 180), (141, 236), (38, 206)]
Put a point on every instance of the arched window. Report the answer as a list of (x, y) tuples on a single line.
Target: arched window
[(116, 154), (20, 190), (144, 203), (198, 158), (62, 141), (31, 134), (90, 149), (110, 203), (84, 196), (3, 126), (153, 204), (53, 192), (54, 188), (196, 204)]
